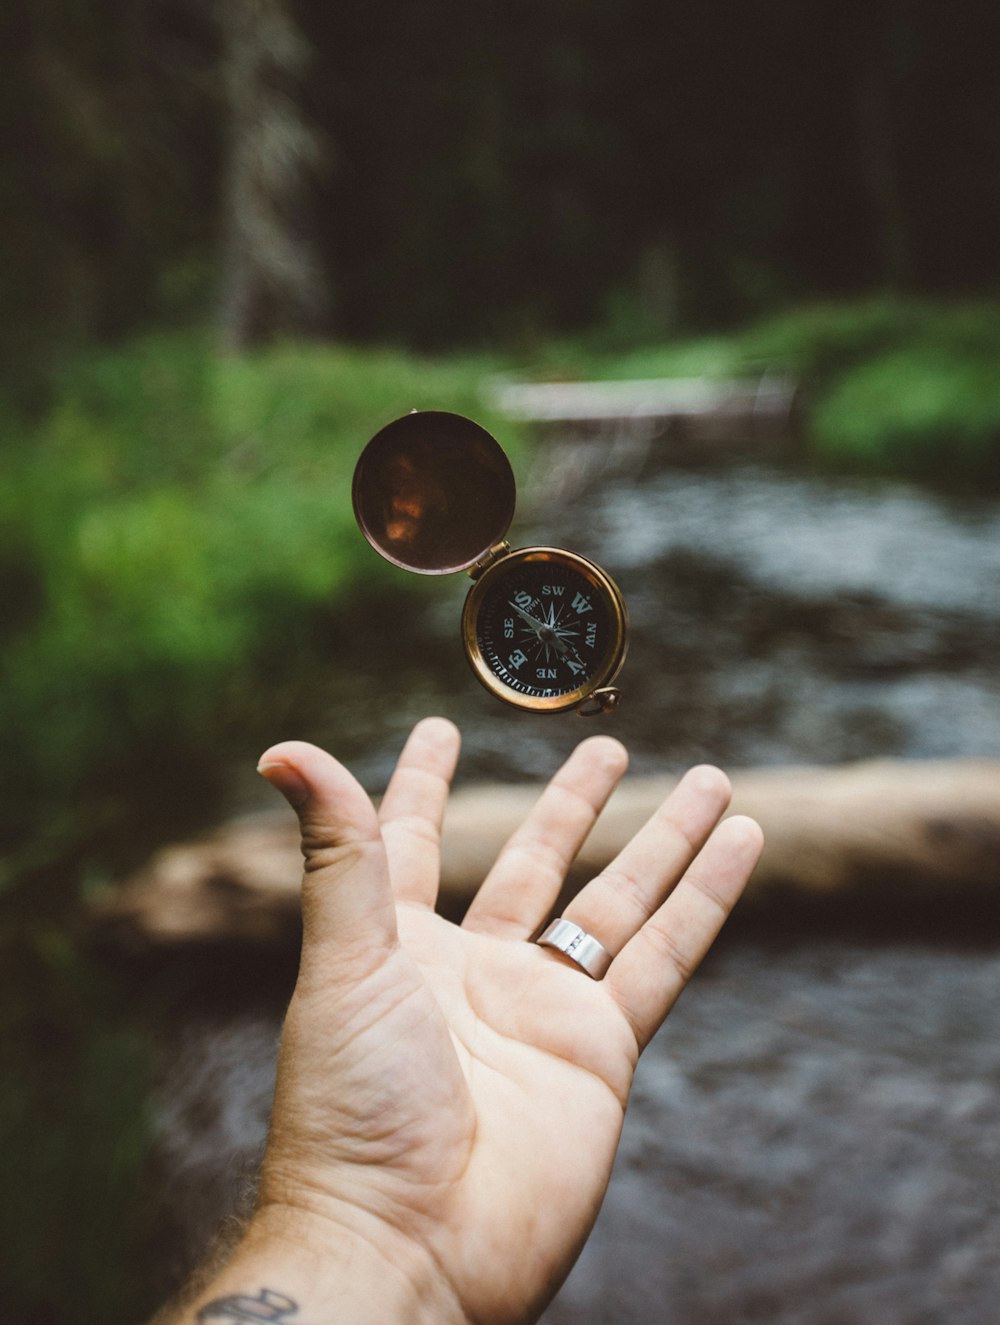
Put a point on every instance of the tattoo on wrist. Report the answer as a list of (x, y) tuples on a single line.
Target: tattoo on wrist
[(269, 1306)]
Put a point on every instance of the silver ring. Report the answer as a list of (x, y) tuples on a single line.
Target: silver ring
[(576, 944)]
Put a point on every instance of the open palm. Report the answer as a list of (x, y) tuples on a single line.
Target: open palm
[(458, 1088)]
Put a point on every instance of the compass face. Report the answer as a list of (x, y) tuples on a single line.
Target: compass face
[(543, 628)]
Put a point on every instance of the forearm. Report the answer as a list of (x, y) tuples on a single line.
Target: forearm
[(295, 1268)]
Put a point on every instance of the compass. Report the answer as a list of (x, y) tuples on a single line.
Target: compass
[(544, 629)]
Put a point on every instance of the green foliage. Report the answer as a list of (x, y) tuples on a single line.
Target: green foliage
[(178, 536), (74, 1079), (926, 402), (896, 385), (906, 386), (820, 341), (703, 356)]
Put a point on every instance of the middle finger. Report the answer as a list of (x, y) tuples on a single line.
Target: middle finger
[(522, 886)]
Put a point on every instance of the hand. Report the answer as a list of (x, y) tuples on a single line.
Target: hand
[(450, 1098)]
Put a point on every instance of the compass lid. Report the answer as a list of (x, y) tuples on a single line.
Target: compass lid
[(433, 492)]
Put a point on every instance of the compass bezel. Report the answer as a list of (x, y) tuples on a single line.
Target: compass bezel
[(614, 604)]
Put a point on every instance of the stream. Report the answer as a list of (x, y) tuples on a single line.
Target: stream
[(814, 1135), (776, 617)]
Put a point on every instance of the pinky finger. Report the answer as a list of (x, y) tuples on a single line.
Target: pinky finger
[(649, 973)]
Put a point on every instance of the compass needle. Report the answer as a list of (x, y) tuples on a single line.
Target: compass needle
[(560, 599)]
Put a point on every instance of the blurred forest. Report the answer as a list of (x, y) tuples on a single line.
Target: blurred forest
[(239, 236), (430, 174)]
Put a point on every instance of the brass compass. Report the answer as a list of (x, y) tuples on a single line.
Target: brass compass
[(544, 629)]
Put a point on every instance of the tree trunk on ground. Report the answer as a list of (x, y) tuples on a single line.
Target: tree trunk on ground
[(930, 826)]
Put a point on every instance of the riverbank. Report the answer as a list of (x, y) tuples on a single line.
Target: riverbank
[(901, 386), (180, 553)]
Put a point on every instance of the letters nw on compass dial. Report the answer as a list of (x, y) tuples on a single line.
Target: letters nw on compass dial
[(544, 629)]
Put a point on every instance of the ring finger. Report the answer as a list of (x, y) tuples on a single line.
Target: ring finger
[(619, 900)]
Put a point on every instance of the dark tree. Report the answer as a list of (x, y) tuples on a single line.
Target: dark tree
[(271, 281)]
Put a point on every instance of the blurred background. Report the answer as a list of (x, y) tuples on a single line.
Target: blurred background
[(238, 239)]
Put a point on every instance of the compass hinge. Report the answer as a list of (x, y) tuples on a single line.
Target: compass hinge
[(491, 555)]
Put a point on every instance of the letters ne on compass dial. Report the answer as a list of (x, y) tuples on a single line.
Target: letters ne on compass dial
[(545, 630)]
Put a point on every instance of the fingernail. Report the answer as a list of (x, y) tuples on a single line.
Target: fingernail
[(286, 780)]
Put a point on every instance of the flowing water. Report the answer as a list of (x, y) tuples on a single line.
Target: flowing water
[(776, 617), (814, 1135)]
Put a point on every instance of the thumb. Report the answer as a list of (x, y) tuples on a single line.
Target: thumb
[(346, 894)]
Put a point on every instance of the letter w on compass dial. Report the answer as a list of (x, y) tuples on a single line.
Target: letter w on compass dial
[(543, 630)]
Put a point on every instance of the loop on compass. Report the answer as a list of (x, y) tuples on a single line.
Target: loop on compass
[(600, 701)]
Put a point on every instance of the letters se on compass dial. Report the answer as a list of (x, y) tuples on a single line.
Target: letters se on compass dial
[(544, 629)]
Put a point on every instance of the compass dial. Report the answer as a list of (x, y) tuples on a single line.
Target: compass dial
[(544, 628)]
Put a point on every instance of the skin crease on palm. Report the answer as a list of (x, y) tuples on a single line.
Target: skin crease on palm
[(452, 1096)]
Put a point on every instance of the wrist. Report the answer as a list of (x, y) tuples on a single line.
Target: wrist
[(331, 1271)]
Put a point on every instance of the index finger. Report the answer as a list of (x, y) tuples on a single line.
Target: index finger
[(412, 809)]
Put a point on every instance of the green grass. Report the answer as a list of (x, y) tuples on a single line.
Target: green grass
[(176, 534), (74, 1084), (891, 385)]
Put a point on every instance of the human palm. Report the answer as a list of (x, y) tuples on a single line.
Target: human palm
[(460, 1087)]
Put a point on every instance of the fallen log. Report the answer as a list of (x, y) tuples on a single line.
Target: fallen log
[(767, 399), (929, 824)]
